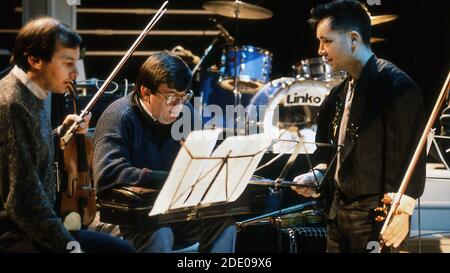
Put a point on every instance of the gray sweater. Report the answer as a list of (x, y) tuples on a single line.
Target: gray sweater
[(27, 182)]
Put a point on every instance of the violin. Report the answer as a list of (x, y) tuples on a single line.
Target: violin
[(78, 195)]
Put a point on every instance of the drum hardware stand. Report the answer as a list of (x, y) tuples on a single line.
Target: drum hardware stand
[(236, 91), (237, 10), (202, 59)]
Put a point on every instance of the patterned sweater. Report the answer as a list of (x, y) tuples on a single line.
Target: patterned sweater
[(27, 183)]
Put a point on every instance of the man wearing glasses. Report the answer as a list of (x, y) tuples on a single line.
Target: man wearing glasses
[(133, 146)]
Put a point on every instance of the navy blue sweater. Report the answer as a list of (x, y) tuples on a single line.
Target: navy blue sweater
[(129, 146)]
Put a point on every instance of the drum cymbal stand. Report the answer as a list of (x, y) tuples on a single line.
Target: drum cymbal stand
[(236, 91)]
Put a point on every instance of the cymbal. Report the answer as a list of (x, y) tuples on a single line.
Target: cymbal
[(245, 11), (377, 40), (379, 19)]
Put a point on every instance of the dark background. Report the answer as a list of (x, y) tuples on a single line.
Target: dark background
[(417, 42)]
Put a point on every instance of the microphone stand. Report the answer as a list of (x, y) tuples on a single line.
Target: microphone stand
[(207, 50), (202, 59)]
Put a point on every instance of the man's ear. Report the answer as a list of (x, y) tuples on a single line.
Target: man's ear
[(34, 62), (144, 91), (354, 37)]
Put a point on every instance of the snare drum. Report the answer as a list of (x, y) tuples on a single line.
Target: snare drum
[(253, 68), (318, 70)]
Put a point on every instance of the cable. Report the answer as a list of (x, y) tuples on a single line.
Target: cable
[(126, 88), (116, 86)]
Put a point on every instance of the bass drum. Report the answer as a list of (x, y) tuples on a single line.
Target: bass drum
[(286, 109)]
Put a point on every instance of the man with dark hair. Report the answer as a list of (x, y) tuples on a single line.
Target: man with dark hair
[(134, 146), (44, 56), (376, 114)]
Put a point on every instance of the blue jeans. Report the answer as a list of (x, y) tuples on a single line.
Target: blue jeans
[(213, 236), (101, 243)]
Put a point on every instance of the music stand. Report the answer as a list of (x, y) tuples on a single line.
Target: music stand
[(296, 147), (279, 183), (200, 180), (439, 147)]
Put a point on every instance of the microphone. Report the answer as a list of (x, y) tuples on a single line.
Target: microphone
[(228, 38)]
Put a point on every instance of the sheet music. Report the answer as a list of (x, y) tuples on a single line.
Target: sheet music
[(198, 144), (307, 135), (230, 179), (210, 178)]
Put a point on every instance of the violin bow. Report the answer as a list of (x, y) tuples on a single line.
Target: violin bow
[(71, 131), (415, 158)]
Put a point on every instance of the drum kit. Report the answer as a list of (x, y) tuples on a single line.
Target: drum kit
[(283, 108), (243, 78)]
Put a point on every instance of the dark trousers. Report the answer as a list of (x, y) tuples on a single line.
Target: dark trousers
[(16, 241), (352, 226)]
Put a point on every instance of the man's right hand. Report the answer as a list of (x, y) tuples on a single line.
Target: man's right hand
[(84, 126), (307, 182)]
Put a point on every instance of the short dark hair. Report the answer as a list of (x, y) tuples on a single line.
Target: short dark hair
[(163, 67), (345, 15), (39, 38)]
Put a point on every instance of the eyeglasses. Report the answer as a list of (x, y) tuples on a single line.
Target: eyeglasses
[(172, 100)]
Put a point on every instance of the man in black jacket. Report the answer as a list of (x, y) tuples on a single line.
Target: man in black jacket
[(377, 115)]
